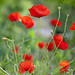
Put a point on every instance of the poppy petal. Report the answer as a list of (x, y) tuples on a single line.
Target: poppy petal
[(72, 27), (21, 70), (50, 46), (31, 68), (61, 44), (64, 65), (54, 22), (38, 11), (41, 44)]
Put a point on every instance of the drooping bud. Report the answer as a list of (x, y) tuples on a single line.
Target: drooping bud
[(4, 38)]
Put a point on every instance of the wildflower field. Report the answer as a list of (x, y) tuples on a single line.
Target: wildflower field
[(37, 37)]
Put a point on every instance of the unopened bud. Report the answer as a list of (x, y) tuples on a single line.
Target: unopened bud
[(20, 20), (59, 7), (4, 38), (51, 31), (68, 15)]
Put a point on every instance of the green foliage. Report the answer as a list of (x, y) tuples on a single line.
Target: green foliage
[(26, 39)]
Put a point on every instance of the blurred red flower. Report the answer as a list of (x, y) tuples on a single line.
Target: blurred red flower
[(50, 46), (27, 57), (14, 17), (25, 66), (61, 44), (72, 27), (27, 21), (57, 37), (64, 65), (15, 49), (54, 22), (38, 11), (41, 44)]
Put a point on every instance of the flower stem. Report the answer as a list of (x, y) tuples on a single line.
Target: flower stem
[(61, 40), (59, 8), (15, 51), (4, 71), (65, 25), (38, 35), (54, 30), (15, 67)]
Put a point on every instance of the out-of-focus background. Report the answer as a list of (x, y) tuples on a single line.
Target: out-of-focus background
[(19, 33)]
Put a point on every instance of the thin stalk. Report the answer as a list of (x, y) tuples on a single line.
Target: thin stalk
[(38, 35), (15, 51), (61, 40), (4, 71), (59, 8), (15, 66)]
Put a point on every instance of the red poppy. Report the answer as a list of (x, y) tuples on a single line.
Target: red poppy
[(50, 46), (16, 49), (27, 21), (61, 44), (41, 44), (38, 11), (25, 66), (54, 22), (14, 17), (57, 37), (64, 65), (27, 57), (72, 27)]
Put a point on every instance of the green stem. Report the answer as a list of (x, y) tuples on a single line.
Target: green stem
[(38, 28), (4, 71), (62, 35), (54, 29), (59, 8), (52, 36), (15, 67), (65, 25), (38, 36), (15, 51)]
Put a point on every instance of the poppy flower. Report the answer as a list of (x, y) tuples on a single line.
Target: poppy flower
[(15, 50), (57, 37), (64, 65), (72, 27), (27, 21), (61, 44), (14, 17), (25, 66), (41, 44), (49, 46), (53, 22), (27, 57), (38, 11)]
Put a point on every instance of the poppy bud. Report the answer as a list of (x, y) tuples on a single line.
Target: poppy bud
[(4, 38)]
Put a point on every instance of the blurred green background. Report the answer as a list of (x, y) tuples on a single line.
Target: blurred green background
[(19, 33)]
